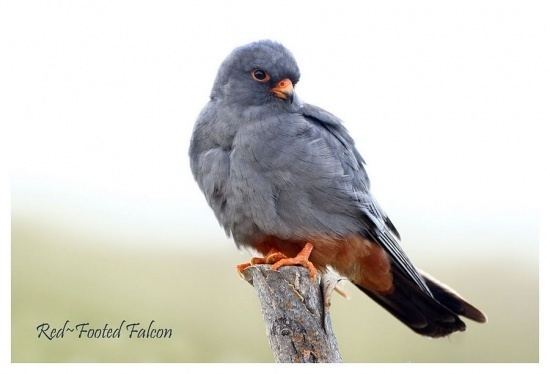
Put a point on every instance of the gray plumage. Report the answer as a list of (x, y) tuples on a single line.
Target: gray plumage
[(283, 167)]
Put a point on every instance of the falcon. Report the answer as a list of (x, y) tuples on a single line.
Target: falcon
[(284, 178)]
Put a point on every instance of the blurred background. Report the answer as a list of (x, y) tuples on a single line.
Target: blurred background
[(108, 224)]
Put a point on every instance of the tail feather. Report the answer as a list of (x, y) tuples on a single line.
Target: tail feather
[(452, 300), (435, 316)]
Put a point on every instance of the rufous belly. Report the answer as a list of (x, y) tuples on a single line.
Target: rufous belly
[(360, 260)]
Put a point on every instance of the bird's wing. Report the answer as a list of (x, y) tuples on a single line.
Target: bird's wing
[(377, 224), (210, 164)]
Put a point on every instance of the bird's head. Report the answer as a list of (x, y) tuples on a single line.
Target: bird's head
[(258, 73)]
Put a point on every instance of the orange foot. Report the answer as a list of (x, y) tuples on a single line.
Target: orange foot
[(272, 257), (302, 258)]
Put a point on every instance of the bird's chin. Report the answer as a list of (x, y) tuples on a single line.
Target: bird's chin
[(284, 97), (280, 95)]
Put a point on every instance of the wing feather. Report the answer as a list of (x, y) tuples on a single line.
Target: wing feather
[(378, 226)]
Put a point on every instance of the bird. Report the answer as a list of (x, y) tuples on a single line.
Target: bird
[(285, 179)]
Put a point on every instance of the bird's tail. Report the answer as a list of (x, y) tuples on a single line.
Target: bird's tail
[(435, 316)]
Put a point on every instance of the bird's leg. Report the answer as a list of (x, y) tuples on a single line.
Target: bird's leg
[(302, 258), (272, 257)]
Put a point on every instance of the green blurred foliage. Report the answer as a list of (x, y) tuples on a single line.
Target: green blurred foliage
[(59, 274)]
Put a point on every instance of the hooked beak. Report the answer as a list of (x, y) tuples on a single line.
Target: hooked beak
[(284, 89)]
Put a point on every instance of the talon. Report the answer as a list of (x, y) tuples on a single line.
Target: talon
[(257, 261), (272, 257), (245, 265), (302, 258), (242, 267)]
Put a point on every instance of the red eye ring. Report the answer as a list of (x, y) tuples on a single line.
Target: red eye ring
[(260, 75)]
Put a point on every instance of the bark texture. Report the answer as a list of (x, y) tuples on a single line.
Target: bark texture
[(295, 310)]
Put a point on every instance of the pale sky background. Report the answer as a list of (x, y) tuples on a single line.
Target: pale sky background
[(447, 103)]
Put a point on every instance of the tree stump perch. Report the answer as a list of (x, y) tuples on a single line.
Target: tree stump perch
[(297, 321)]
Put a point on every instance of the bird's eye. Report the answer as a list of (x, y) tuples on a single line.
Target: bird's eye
[(260, 75)]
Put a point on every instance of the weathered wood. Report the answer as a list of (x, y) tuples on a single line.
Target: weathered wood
[(297, 321)]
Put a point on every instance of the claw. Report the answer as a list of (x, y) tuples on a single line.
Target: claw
[(302, 258), (272, 257), (242, 267)]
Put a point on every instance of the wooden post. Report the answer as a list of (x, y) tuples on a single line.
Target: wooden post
[(297, 320)]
